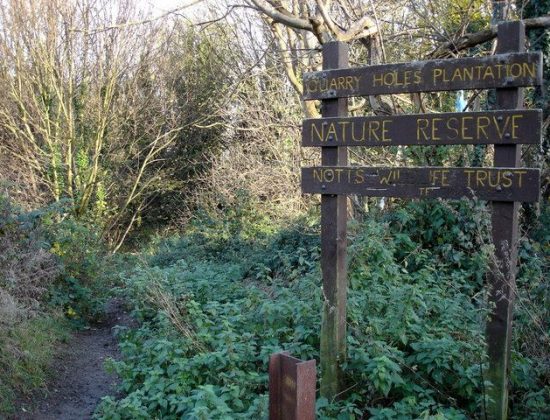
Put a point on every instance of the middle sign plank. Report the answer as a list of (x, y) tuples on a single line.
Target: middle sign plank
[(496, 184), (491, 127)]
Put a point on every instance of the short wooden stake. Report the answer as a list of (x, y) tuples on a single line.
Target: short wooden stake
[(291, 388)]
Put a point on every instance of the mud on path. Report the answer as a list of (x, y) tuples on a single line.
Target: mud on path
[(80, 380)]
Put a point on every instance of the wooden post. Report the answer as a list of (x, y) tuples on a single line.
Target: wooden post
[(291, 388), (511, 38), (333, 243)]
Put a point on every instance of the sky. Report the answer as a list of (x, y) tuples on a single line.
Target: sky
[(159, 7)]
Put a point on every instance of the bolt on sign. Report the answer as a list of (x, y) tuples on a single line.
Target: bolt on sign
[(504, 184)]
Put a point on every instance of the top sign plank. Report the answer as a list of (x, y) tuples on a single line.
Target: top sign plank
[(496, 71)]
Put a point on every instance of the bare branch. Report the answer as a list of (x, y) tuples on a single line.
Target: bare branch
[(281, 15), (447, 49)]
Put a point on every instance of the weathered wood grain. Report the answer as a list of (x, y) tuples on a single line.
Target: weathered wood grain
[(506, 70), (496, 184), (490, 127)]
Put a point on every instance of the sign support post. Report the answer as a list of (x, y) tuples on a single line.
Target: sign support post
[(333, 243), (502, 282)]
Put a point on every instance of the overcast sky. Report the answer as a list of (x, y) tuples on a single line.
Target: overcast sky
[(158, 7)]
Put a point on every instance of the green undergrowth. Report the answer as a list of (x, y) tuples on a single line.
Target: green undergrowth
[(27, 351), (214, 306), (55, 275)]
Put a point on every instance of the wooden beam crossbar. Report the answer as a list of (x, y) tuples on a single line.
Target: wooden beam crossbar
[(506, 70)]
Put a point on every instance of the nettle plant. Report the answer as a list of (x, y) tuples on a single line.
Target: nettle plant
[(416, 312)]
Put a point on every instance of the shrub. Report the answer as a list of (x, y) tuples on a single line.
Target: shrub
[(28, 331), (416, 313)]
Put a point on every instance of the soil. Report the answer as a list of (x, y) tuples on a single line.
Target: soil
[(80, 380)]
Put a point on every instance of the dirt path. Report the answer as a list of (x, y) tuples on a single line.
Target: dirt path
[(80, 379)]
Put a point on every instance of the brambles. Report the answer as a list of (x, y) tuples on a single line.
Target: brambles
[(214, 307)]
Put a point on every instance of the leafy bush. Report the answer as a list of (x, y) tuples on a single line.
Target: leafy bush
[(86, 271), (213, 307), (28, 332), (27, 269), (26, 350)]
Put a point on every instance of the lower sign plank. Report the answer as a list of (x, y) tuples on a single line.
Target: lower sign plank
[(494, 184)]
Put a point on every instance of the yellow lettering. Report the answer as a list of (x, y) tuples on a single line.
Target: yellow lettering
[(500, 130), (468, 73), (407, 78), (391, 80), (451, 128), (481, 127), (373, 127), (506, 179), (464, 128), (359, 177), (457, 74), (378, 79), (478, 71), (343, 127), (437, 73), (315, 134), (481, 176), (516, 70), (520, 178), (433, 176), (332, 132), (385, 130), (420, 129), (469, 173), (499, 70), (318, 175), (391, 175), (362, 138), (496, 181), (444, 179), (529, 68), (435, 129), (514, 125), (488, 73), (417, 77)]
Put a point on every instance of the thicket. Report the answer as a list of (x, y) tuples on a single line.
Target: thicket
[(214, 304), (52, 276)]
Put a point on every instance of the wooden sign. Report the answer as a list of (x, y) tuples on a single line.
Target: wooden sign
[(503, 127), (496, 71), (498, 184), (504, 185)]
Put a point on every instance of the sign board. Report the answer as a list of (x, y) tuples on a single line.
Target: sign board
[(496, 71), (502, 127), (504, 184), (498, 184)]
